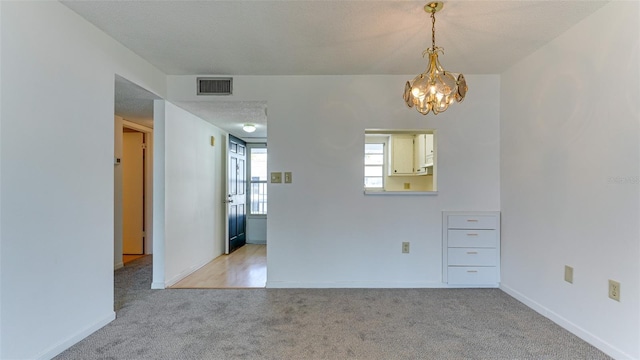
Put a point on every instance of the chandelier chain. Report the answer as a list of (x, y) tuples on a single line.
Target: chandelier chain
[(433, 30)]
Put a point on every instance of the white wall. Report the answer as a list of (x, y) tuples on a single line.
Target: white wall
[(57, 185), (569, 175), (158, 222), (193, 187), (1, 339), (321, 229), (256, 229)]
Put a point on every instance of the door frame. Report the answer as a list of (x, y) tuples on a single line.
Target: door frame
[(148, 184), (226, 149), (225, 191), (254, 221)]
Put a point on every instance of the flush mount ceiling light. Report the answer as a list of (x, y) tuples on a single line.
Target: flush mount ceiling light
[(435, 89), (249, 128)]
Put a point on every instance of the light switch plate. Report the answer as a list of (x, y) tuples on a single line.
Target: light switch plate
[(276, 177)]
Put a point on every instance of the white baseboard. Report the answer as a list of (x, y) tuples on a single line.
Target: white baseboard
[(64, 345), (370, 284), (157, 286), (118, 265), (183, 274), (568, 325), (352, 284)]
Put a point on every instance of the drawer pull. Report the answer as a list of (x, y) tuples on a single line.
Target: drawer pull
[(472, 271), (472, 234), (472, 220), (472, 252)]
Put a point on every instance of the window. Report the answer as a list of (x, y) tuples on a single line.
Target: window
[(374, 165), (258, 182)]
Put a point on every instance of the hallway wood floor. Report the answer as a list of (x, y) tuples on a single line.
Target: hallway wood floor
[(243, 268), (130, 258)]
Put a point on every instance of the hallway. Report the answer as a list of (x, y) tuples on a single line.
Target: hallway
[(243, 268)]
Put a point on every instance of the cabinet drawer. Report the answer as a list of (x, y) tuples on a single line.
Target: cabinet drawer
[(472, 222), (468, 275), (473, 256), (472, 238)]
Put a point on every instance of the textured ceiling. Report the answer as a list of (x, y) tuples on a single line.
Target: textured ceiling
[(232, 115), (133, 102), (327, 37)]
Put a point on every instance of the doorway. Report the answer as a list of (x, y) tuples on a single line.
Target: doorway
[(133, 188), (133, 191), (236, 195)]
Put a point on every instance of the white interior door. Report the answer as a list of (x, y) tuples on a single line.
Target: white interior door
[(132, 193)]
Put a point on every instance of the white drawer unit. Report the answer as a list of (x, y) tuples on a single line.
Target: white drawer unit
[(471, 248), (473, 222), (472, 256), (472, 275), (472, 238)]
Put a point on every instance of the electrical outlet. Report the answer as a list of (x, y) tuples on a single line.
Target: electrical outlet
[(287, 177), (614, 290), (407, 186), (405, 247), (568, 274)]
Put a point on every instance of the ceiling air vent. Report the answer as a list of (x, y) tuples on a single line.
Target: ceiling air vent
[(215, 86)]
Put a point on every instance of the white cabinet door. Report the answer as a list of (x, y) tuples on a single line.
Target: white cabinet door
[(401, 155), (424, 153), (420, 152), (428, 150)]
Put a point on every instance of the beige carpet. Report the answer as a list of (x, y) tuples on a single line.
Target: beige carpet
[(322, 324)]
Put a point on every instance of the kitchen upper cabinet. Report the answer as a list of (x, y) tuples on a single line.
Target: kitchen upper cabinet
[(411, 154), (424, 154), (402, 155)]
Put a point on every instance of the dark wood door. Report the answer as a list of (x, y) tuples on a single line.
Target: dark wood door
[(237, 194)]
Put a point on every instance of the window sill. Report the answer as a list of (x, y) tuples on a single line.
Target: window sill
[(393, 193)]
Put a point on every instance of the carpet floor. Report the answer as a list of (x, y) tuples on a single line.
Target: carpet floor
[(322, 324)]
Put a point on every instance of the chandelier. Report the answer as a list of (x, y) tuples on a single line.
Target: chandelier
[(435, 89)]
